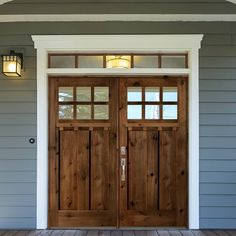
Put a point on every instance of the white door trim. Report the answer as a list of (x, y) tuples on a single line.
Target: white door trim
[(115, 43)]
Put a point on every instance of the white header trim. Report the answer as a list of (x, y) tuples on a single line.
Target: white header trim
[(118, 43), (117, 17)]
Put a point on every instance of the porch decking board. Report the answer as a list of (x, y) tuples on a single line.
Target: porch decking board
[(80, 233), (128, 233), (232, 232), (119, 233)]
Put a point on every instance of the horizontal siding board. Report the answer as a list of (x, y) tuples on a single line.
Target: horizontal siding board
[(17, 211), (17, 84), (99, 8), (218, 85), (217, 108), (217, 96), (209, 223), (217, 73), (118, 27), (18, 200), (218, 51), (218, 212), (18, 223), (218, 177), (17, 165), (217, 200), (217, 154), (218, 165), (13, 119), (18, 96), (216, 40), (17, 130), (18, 177), (16, 40), (218, 119), (17, 188), (219, 62), (228, 189), (19, 108), (17, 153), (218, 131), (216, 142), (16, 142)]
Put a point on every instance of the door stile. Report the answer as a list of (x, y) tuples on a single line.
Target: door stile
[(182, 154), (53, 157), (122, 143)]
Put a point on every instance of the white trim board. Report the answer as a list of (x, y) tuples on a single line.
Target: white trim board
[(119, 17), (116, 43)]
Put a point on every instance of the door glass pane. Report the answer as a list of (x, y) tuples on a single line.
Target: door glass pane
[(134, 112), (101, 112), (83, 94), (170, 94), (134, 94), (62, 62), (101, 94), (90, 61), (152, 94), (173, 62), (65, 111), (83, 112), (65, 94), (170, 112), (145, 61), (152, 112)]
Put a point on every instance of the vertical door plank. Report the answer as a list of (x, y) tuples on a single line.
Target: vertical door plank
[(83, 169), (137, 170), (68, 169), (100, 170), (167, 170), (152, 171)]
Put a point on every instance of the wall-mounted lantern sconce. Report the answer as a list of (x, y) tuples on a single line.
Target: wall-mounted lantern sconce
[(12, 64), (118, 62)]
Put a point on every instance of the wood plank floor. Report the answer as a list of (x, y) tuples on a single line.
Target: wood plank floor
[(117, 232)]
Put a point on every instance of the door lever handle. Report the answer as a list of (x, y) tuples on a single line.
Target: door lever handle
[(123, 165)]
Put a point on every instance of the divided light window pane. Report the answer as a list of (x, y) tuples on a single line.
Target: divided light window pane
[(170, 94), (83, 94), (134, 112), (152, 94), (173, 62), (145, 61), (101, 94), (65, 94), (101, 112), (134, 94), (152, 112), (62, 61), (90, 61), (66, 111), (170, 112)]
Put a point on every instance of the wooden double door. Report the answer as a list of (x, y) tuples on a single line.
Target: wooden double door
[(118, 152)]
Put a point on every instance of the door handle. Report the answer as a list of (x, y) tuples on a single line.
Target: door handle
[(123, 165)]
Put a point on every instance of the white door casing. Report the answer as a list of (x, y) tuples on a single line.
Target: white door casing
[(123, 44)]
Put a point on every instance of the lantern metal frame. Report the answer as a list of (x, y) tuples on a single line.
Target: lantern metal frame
[(13, 57)]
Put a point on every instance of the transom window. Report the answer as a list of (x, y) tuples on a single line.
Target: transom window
[(152, 103), (83, 103), (160, 60)]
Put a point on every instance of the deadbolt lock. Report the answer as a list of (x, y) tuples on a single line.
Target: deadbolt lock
[(123, 150)]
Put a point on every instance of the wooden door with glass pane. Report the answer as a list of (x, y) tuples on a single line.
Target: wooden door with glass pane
[(82, 152), (153, 151)]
